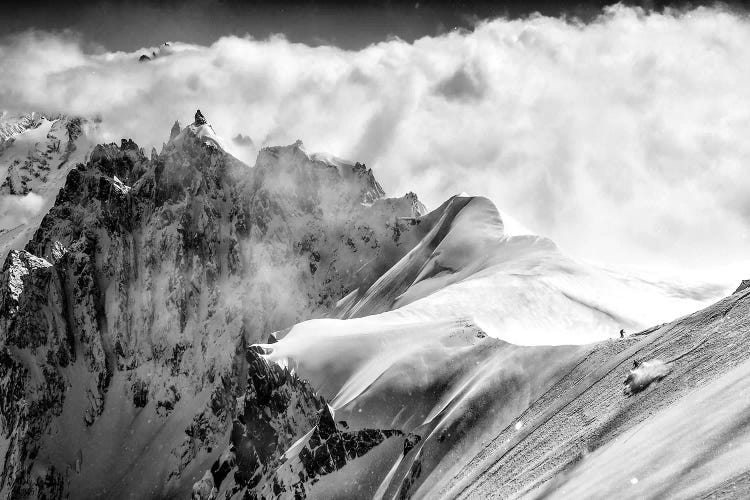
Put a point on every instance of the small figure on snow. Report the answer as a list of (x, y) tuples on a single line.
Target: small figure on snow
[(622, 333)]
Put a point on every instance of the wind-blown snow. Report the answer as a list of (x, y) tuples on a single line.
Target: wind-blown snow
[(446, 336), (519, 289), (512, 226)]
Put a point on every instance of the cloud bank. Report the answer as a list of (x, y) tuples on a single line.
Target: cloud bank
[(15, 210), (625, 139)]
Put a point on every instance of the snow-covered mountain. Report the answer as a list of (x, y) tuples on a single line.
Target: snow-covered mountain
[(439, 346), (36, 153), (179, 323), (129, 309), (680, 430)]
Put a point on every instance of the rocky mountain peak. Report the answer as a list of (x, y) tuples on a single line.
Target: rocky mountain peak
[(199, 118), (200, 132), (151, 275), (320, 172), (176, 129), (418, 208)]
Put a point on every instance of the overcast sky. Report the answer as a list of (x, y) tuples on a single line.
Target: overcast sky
[(624, 136)]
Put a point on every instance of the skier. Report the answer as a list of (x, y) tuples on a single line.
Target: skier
[(622, 334)]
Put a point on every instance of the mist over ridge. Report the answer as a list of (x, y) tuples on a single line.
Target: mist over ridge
[(642, 117)]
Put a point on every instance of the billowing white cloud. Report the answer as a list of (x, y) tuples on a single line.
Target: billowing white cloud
[(625, 139), (15, 210)]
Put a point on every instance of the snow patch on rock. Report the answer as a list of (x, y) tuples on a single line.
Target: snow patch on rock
[(18, 265)]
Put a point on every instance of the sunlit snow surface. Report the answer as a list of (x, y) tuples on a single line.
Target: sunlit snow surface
[(520, 289), (476, 279), (204, 132), (44, 142), (451, 337)]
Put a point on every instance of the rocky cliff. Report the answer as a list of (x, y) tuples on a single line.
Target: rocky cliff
[(284, 439), (124, 322)]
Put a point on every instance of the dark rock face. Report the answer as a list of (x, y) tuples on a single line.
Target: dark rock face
[(277, 411), (199, 118), (30, 396), (144, 58), (138, 294), (329, 449)]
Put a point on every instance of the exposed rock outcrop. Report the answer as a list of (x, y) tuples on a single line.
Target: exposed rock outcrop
[(284, 439), (176, 129), (199, 118), (129, 311)]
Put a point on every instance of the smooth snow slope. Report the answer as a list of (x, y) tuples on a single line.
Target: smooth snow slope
[(520, 289), (685, 436), (448, 343), (445, 381)]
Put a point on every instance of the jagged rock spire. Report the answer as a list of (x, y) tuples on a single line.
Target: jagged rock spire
[(417, 207), (176, 129), (199, 118)]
